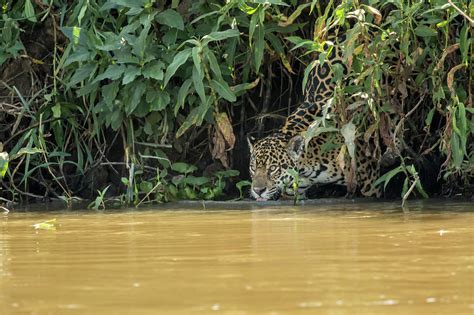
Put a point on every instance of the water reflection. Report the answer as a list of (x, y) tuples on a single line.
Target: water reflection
[(333, 259)]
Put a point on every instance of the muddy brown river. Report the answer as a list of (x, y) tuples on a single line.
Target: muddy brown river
[(321, 258)]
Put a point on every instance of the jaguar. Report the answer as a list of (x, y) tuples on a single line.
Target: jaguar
[(314, 161)]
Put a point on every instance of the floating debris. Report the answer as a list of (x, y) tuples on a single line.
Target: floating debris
[(46, 225), (441, 232)]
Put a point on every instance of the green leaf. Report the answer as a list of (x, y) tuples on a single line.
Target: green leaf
[(240, 88), (56, 109), (461, 117), (195, 117), (29, 12), (182, 93), (405, 187), (197, 59), (464, 41), (154, 70), (81, 54), (456, 151), (295, 14), (145, 187), (243, 183), (4, 159), (223, 90), (259, 46), (183, 168), (214, 65), (26, 151), (173, 191), (388, 176), (115, 119), (130, 74), (227, 173), (276, 43), (215, 36), (244, 7), (196, 181), (425, 31), (161, 101), (137, 91), (132, 4), (75, 34), (429, 117), (113, 72), (420, 189), (252, 27), (109, 92), (178, 61), (199, 85), (170, 18), (190, 194), (307, 71), (141, 43), (276, 2), (82, 73)]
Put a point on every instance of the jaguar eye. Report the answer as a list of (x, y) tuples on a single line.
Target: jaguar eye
[(272, 168)]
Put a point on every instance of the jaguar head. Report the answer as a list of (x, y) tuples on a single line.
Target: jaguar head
[(270, 160)]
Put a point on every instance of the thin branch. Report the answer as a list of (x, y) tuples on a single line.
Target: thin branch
[(407, 194), (402, 120), (461, 12)]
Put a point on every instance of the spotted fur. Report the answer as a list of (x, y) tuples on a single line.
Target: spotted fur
[(272, 156)]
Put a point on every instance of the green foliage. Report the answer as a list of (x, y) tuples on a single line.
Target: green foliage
[(148, 78), (182, 185), (10, 44), (408, 60), (240, 186), (4, 160), (99, 202), (295, 185)]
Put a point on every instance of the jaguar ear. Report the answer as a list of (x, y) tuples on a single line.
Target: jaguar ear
[(295, 147), (250, 141)]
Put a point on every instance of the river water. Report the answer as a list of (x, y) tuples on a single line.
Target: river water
[(345, 258)]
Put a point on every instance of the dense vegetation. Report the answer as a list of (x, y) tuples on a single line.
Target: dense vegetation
[(134, 98)]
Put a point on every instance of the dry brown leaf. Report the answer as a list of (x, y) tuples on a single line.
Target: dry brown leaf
[(223, 138), (219, 148), (225, 128), (450, 78), (340, 160), (369, 132), (402, 88), (376, 13), (351, 177), (385, 130), (446, 52)]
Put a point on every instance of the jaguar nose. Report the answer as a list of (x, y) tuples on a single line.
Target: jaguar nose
[(259, 190)]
